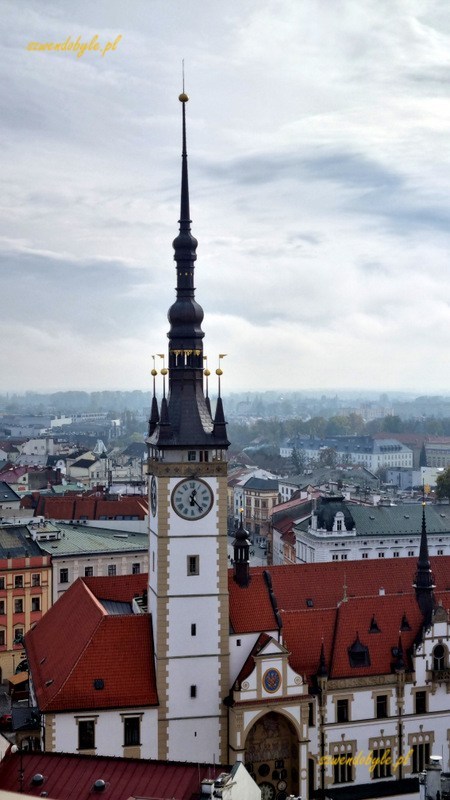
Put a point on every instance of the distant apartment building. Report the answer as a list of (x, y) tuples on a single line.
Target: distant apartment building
[(372, 453), (406, 479), (25, 592), (283, 519), (260, 495), (88, 469), (438, 453), (79, 551), (341, 531)]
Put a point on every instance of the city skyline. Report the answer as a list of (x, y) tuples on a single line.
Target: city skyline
[(318, 164)]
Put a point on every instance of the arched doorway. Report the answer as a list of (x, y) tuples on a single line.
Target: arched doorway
[(271, 756)]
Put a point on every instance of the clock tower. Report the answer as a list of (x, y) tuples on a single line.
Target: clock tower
[(188, 595)]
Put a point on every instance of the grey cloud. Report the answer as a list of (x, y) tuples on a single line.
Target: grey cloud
[(97, 298)]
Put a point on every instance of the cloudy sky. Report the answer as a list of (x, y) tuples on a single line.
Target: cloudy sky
[(319, 142)]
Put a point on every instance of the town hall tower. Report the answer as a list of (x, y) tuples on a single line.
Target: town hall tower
[(188, 595)]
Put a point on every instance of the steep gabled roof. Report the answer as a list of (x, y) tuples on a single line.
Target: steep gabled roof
[(336, 604), (251, 611), (78, 643)]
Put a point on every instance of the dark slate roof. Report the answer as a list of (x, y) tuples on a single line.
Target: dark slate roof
[(136, 450), (15, 544), (327, 508), (84, 463), (7, 494), (261, 485), (402, 519)]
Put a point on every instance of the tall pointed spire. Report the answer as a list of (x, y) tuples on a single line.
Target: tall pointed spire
[(424, 579), (185, 415)]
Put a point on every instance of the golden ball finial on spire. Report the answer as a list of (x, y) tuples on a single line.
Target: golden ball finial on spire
[(183, 98)]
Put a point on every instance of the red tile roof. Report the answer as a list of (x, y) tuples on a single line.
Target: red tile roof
[(310, 600), (71, 777), (121, 588), (250, 608), (75, 507), (71, 647)]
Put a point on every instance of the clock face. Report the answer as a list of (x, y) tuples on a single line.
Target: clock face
[(267, 791), (192, 499), (153, 495)]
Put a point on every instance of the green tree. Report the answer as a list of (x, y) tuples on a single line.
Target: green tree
[(328, 457), (298, 461), (443, 485), (423, 457), (392, 424)]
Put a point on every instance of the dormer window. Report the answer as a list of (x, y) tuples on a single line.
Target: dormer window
[(339, 522), (358, 654)]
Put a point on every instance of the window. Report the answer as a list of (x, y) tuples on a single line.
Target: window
[(18, 581), (193, 629), (88, 572), (342, 711), (396, 554), (344, 557), (192, 455), (64, 575), (18, 606), (131, 731), (311, 715), (382, 760), (381, 555), (193, 691), (2, 638), (410, 552), (342, 760), (35, 603), (112, 570), (439, 657), (136, 568), (420, 756), (36, 579), (18, 636), (338, 524), (193, 565), (335, 557), (365, 555), (420, 705), (381, 706), (440, 552), (86, 734), (2, 583), (2, 607)]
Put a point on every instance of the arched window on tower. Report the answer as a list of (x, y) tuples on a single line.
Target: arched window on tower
[(439, 657)]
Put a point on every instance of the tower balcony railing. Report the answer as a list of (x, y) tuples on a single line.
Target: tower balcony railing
[(440, 675)]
